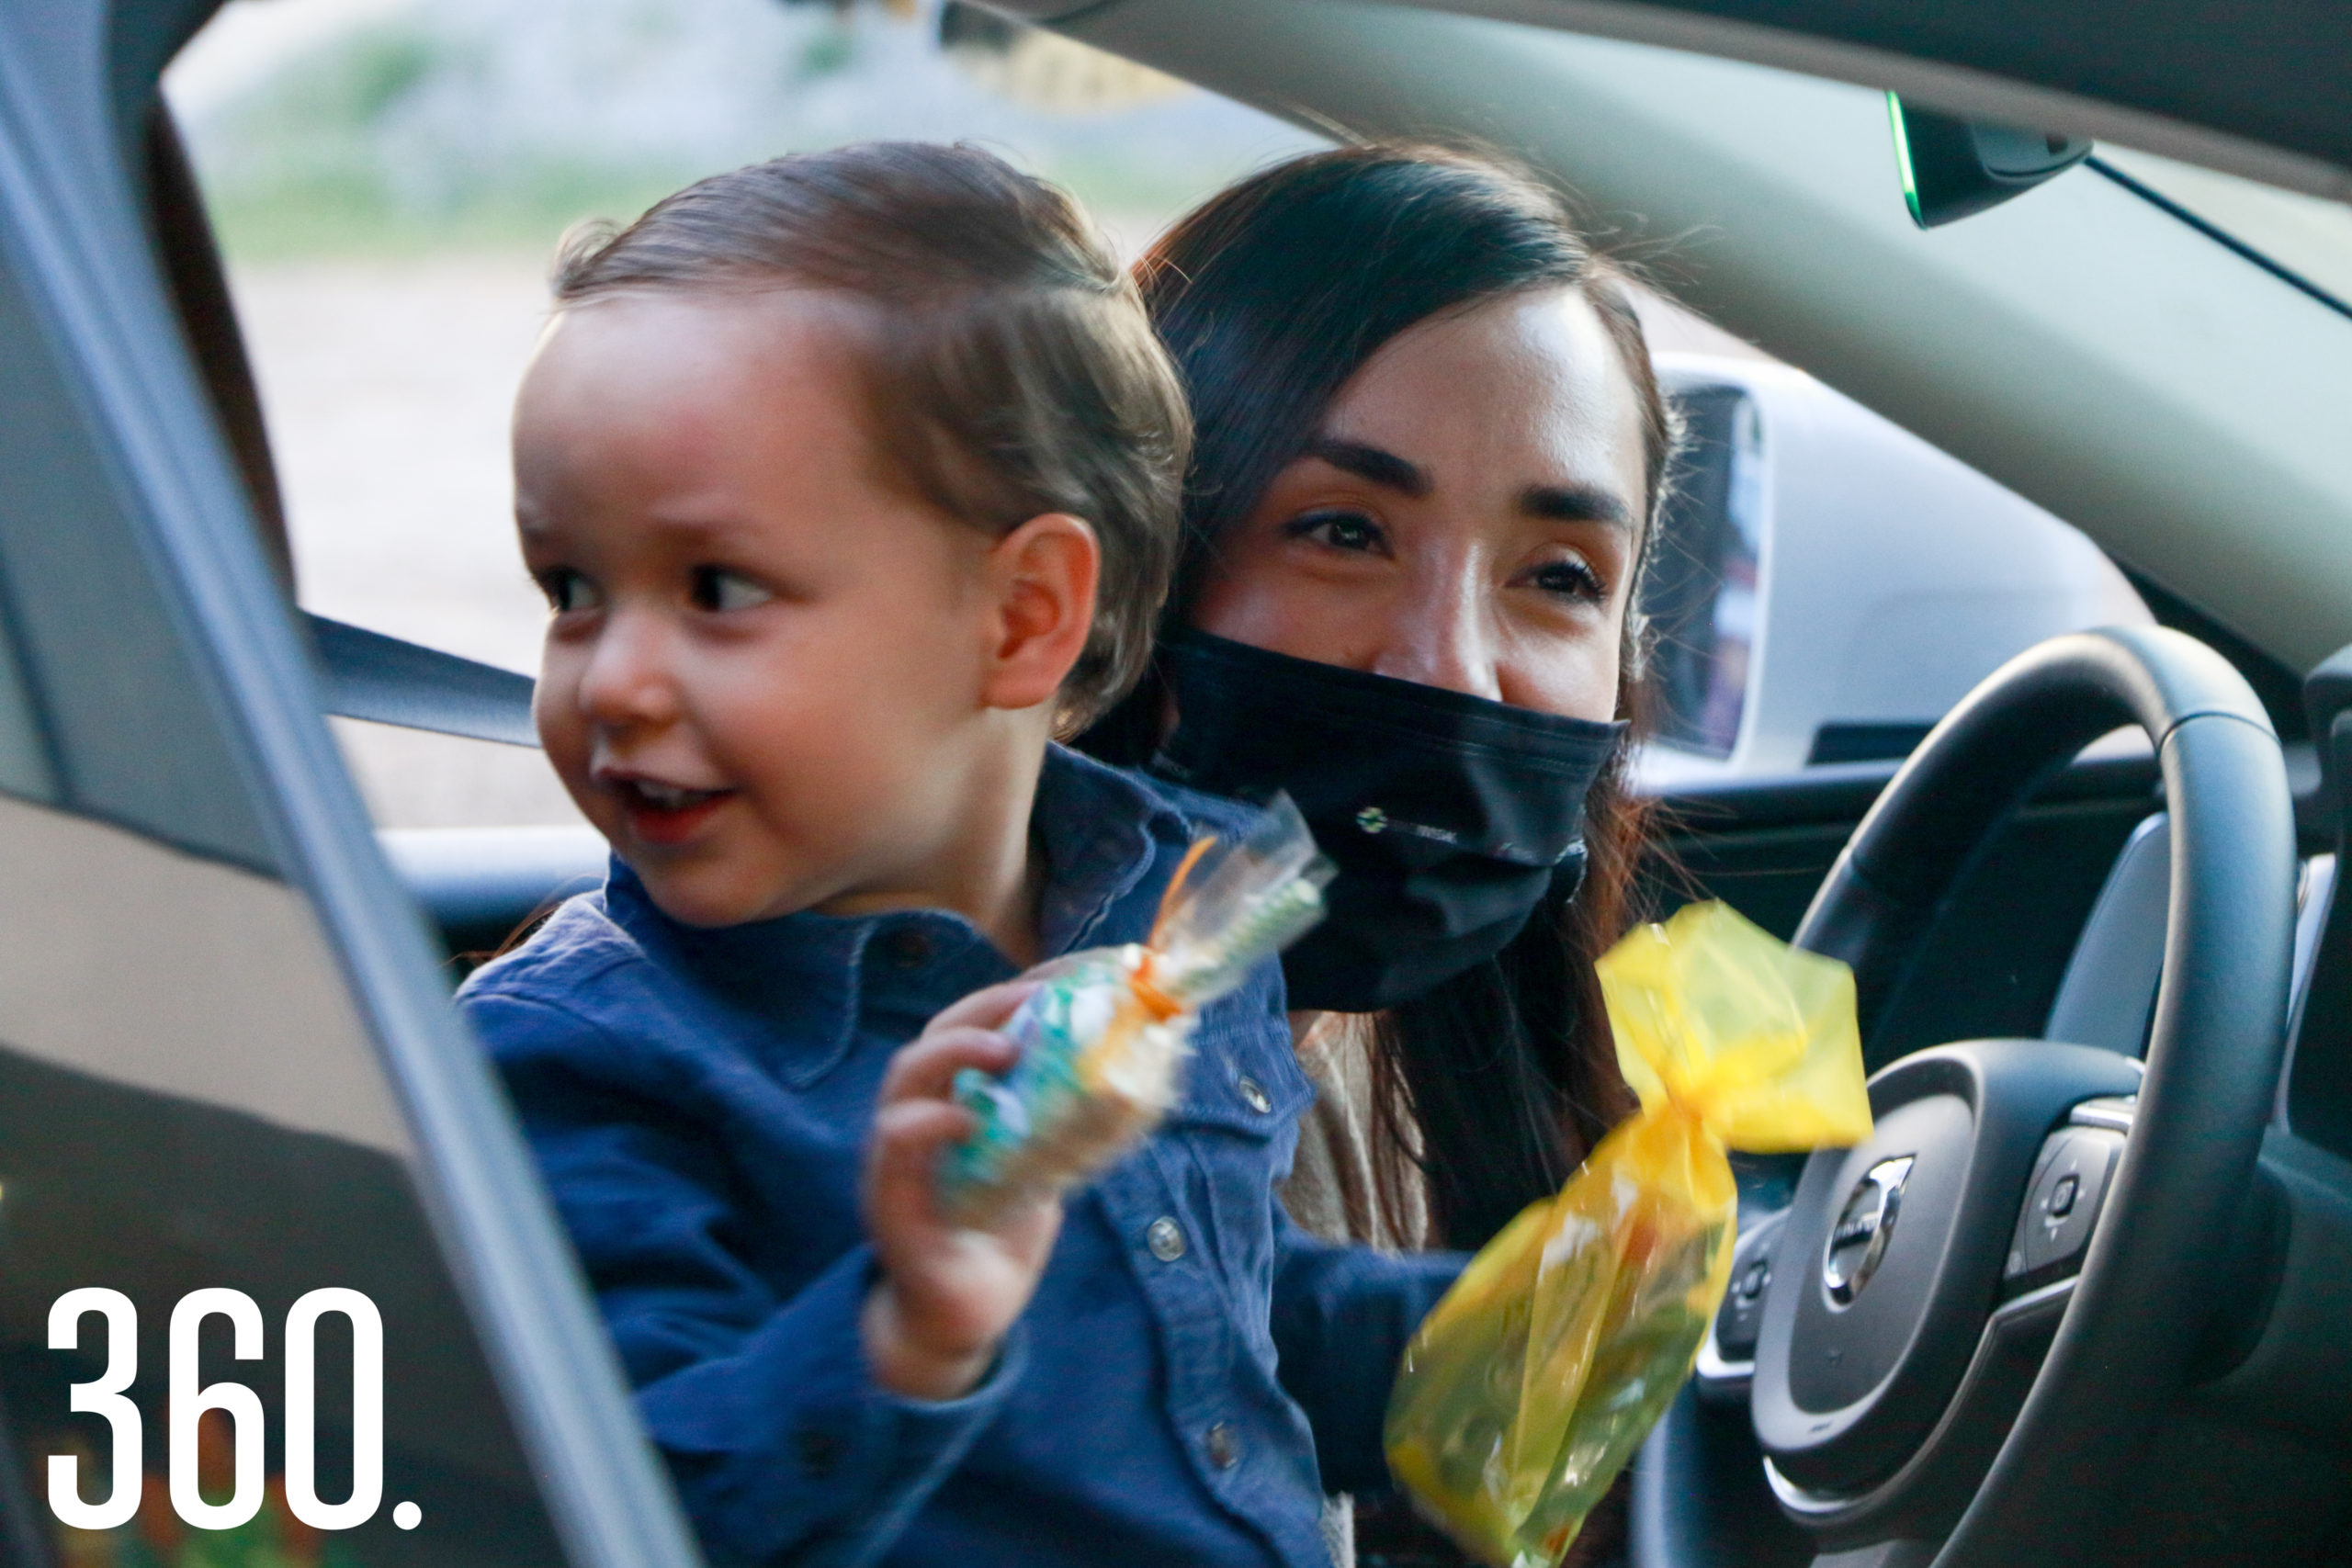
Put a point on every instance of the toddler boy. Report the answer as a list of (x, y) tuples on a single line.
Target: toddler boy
[(852, 480)]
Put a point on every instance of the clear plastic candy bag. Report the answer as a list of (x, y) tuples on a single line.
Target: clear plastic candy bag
[(1527, 1388), (1103, 1038)]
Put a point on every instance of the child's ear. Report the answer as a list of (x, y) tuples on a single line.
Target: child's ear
[(1043, 578)]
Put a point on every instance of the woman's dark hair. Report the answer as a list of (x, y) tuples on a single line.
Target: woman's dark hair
[(1014, 371), (1271, 296)]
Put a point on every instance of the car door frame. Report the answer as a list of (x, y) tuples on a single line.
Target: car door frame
[(76, 80)]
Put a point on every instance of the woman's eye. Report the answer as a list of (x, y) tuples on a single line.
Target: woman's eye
[(1570, 579), (567, 591), (717, 588), (1340, 530)]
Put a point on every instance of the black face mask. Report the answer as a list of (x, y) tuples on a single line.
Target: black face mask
[(1449, 817)]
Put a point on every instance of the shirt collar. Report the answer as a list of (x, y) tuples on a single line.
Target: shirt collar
[(812, 977), (1102, 830)]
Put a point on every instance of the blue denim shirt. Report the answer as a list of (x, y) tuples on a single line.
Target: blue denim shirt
[(1192, 1373)]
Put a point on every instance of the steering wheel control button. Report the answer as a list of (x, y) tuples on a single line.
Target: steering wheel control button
[(1253, 1096), (1858, 1241), (1727, 1356), (1741, 1317), (2062, 1205), (1743, 1312), (2061, 1196), (1165, 1239)]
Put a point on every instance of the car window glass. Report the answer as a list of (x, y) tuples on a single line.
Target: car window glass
[(388, 179), (24, 756), (193, 1109), (2307, 233), (188, 1103), (1699, 590)]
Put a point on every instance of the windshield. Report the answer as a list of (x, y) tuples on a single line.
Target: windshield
[(389, 177), (2306, 234)]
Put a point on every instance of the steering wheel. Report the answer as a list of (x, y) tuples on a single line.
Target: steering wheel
[(1971, 1318)]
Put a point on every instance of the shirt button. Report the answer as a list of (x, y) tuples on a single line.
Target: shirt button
[(908, 947), (1224, 1448), (1254, 1096), (1165, 1239)]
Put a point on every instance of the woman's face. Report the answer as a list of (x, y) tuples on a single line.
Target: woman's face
[(1467, 516)]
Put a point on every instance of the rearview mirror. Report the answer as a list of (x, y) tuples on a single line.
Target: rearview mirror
[(1952, 169)]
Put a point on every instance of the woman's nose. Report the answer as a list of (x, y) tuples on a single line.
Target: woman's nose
[(1439, 637)]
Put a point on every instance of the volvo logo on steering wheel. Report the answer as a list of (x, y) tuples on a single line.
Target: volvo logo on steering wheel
[(1858, 1241)]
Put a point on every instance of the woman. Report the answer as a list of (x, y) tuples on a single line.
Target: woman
[(1430, 447)]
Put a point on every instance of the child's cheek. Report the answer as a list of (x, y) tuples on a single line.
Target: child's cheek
[(563, 734)]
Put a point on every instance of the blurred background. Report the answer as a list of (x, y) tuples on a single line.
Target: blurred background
[(389, 179)]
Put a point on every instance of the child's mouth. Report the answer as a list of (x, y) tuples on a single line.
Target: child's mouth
[(666, 813)]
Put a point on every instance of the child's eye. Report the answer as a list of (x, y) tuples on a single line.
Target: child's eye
[(717, 588), (1340, 530), (1569, 579), (568, 591)]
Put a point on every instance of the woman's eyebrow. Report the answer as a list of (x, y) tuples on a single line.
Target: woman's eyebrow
[(1575, 504), (1371, 463)]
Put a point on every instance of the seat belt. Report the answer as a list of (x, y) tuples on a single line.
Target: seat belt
[(386, 680)]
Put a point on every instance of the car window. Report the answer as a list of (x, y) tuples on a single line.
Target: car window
[(191, 1117), (196, 1135), (1825, 585), (2307, 234), (25, 771), (263, 1218), (1700, 594), (389, 181)]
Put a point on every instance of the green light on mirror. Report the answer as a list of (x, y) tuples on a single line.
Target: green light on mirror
[(1955, 168)]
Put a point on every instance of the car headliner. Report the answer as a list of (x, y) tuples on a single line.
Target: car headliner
[(2263, 91), (2090, 352)]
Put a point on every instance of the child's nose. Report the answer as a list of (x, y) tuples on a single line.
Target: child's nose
[(629, 678)]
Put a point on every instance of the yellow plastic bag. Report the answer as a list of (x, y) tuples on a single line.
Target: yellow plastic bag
[(1531, 1383)]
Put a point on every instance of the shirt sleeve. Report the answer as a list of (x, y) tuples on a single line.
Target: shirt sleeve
[(1341, 1317), (783, 1446)]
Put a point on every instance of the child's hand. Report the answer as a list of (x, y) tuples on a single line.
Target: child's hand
[(948, 1293)]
